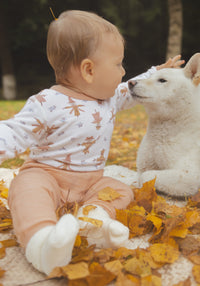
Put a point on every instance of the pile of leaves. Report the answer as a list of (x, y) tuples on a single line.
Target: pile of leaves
[(170, 228)]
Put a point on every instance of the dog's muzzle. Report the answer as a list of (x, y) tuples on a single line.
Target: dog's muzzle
[(131, 84)]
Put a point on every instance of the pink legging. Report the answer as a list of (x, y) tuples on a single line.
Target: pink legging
[(38, 190)]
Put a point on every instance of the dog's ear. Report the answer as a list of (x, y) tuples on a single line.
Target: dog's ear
[(192, 68)]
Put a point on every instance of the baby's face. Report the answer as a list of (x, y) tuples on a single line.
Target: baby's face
[(108, 69)]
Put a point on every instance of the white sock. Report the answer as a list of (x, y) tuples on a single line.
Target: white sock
[(111, 234), (52, 246)]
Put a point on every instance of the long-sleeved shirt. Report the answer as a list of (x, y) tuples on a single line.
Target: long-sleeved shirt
[(65, 132)]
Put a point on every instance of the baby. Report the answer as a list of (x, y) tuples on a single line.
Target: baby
[(68, 129)]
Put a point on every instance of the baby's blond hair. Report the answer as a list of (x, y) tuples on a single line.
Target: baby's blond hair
[(74, 36)]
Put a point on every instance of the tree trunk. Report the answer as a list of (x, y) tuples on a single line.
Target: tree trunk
[(9, 85), (174, 45)]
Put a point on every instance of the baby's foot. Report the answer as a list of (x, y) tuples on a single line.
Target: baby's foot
[(57, 251), (52, 245), (111, 234), (117, 233)]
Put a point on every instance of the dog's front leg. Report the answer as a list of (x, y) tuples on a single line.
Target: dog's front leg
[(173, 182)]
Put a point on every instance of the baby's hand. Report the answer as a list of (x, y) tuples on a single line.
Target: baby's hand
[(174, 62)]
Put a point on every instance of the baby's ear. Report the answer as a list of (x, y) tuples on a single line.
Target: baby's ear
[(192, 68), (87, 70)]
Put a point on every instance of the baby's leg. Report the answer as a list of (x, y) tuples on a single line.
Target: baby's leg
[(33, 200), (112, 233)]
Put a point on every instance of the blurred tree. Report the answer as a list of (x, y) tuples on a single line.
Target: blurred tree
[(144, 24), (9, 85), (174, 45)]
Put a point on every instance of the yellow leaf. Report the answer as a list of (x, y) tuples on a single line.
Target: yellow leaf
[(108, 194), (2, 252), (4, 193), (99, 276), (77, 241), (137, 267), (128, 280), (152, 280), (114, 266), (9, 242), (163, 253), (76, 271), (157, 222), (2, 272), (96, 222), (196, 273), (87, 209), (179, 231)]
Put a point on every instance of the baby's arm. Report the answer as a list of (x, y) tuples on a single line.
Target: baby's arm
[(17, 133)]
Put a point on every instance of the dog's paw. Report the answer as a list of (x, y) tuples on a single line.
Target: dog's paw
[(146, 177)]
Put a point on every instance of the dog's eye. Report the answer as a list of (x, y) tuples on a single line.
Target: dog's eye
[(162, 80)]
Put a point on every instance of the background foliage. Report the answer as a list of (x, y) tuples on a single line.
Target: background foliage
[(144, 24)]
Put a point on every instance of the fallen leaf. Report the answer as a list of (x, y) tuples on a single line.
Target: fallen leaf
[(108, 194), (76, 271), (114, 267), (196, 273), (2, 252), (163, 253), (99, 276), (96, 222), (9, 242), (128, 280), (2, 272), (137, 267), (87, 209)]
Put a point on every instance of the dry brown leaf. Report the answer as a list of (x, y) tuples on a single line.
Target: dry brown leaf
[(194, 258), (71, 208), (96, 222), (97, 271), (128, 280), (138, 267), (148, 258), (3, 190), (9, 242), (2, 272), (87, 209), (103, 255), (123, 253), (77, 282), (163, 253), (196, 273), (76, 271), (108, 194), (78, 241), (189, 245), (83, 254), (152, 280), (114, 267), (2, 252)]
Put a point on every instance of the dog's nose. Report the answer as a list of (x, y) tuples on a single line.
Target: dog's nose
[(131, 84)]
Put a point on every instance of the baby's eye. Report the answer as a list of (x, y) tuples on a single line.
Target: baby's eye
[(162, 80)]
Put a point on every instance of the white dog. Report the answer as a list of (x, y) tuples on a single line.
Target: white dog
[(170, 150)]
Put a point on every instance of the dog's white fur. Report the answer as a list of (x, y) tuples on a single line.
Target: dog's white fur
[(170, 150)]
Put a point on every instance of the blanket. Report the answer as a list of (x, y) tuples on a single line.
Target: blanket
[(18, 272)]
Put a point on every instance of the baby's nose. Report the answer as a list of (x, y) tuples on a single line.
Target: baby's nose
[(131, 83)]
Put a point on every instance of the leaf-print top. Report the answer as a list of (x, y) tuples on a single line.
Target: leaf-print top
[(65, 132)]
